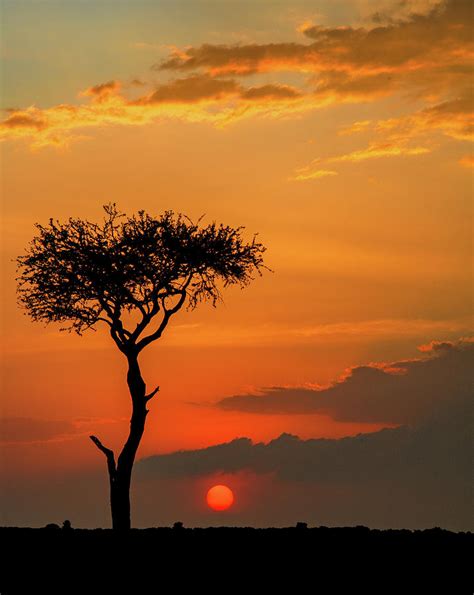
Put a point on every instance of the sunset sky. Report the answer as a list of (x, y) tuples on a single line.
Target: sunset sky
[(340, 131)]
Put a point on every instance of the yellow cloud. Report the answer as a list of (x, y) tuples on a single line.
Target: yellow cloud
[(373, 151), (306, 173), (428, 56), (409, 135), (377, 150), (454, 118), (360, 126), (467, 161), (192, 99)]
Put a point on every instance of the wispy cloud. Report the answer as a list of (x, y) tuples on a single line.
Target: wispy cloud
[(467, 161), (377, 150), (32, 430), (360, 126), (273, 334), (306, 173), (410, 135)]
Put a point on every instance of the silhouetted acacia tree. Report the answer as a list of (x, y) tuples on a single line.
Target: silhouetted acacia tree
[(133, 272)]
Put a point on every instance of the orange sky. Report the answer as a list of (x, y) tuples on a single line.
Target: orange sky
[(342, 138)]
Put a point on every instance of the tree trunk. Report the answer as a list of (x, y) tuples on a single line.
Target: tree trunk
[(121, 477)]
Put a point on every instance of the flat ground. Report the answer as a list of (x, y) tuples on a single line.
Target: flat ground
[(165, 560)]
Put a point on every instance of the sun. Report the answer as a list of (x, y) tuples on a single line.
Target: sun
[(220, 497)]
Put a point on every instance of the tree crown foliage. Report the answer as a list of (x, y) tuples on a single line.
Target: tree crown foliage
[(81, 272)]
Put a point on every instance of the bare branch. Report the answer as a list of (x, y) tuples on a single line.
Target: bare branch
[(152, 394), (100, 446), (109, 454), (118, 325), (164, 322), (118, 341), (146, 318)]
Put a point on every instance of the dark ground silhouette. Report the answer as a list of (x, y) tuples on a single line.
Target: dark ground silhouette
[(178, 559)]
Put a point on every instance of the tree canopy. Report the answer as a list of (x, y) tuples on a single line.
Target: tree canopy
[(81, 273)]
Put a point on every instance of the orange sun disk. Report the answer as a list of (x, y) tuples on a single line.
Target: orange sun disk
[(220, 497)]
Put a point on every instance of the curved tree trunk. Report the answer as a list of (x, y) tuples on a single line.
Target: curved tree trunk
[(120, 474), (120, 487)]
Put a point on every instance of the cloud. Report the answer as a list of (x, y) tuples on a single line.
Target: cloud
[(391, 12), (101, 92), (406, 477), (409, 135), (342, 87), (306, 173), (271, 92), (28, 120), (237, 59), (202, 87), (411, 476), (193, 99), (421, 42), (28, 429), (321, 334), (64, 123), (192, 89), (433, 346), (402, 392), (377, 150), (398, 454), (382, 328), (454, 118), (467, 161), (423, 49), (355, 127), (425, 53)]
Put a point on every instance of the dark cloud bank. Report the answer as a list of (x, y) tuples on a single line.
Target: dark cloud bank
[(403, 392), (402, 454), (426, 462)]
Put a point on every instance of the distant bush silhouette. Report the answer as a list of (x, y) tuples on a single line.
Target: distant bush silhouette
[(52, 526), (82, 273), (301, 525)]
